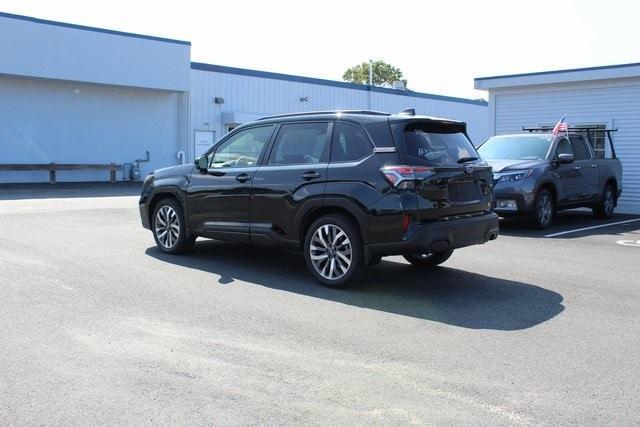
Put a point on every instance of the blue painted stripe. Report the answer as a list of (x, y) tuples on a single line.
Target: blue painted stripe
[(570, 70), (333, 83), (94, 29)]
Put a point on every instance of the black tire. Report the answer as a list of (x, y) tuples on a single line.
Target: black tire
[(428, 259), (544, 209), (320, 252), (604, 208), (177, 240)]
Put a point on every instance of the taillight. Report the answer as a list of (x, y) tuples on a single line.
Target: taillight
[(403, 175)]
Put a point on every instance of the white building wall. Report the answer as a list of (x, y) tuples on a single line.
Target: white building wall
[(44, 121), (615, 103), (33, 47), (249, 97)]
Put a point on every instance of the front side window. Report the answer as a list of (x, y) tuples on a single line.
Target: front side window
[(242, 149), (301, 143), (425, 144), (564, 147), (515, 147), (580, 149), (350, 143)]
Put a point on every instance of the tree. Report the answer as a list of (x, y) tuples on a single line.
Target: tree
[(383, 74)]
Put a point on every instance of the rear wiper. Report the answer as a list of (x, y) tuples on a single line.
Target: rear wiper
[(467, 159)]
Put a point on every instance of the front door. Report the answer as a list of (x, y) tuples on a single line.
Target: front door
[(219, 198), (583, 159), (569, 175), (295, 172)]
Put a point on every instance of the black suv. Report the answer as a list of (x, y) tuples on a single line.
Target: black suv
[(344, 187)]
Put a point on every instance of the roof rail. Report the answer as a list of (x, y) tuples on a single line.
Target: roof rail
[(313, 113)]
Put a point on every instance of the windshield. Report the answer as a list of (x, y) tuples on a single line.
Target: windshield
[(516, 147), (425, 146)]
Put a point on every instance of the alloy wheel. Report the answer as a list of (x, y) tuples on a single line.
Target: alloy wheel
[(608, 201), (167, 226), (330, 251), (545, 209)]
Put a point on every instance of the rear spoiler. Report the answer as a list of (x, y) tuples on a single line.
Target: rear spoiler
[(587, 130)]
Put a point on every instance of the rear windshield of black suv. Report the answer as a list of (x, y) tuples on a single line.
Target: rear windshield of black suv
[(432, 144)]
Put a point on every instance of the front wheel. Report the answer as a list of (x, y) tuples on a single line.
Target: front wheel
[(604, 208), (428, 259), (169, 229), (544, 209), (333, 250)]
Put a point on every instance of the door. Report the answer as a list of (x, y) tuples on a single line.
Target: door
[(219, 198), (584, 159), (295, 172), (569, 175)]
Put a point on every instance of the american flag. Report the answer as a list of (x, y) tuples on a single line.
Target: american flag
[(561, 126)]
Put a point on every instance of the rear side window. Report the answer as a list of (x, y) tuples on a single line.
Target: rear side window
[(436, 145), (301, 143), (580, 149), (350, 143)]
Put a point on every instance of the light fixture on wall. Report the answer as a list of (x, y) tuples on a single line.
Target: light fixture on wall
[(218, 100), (304, 99)]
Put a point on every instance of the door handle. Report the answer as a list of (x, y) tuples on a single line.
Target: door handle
[(310, 175), (594, 166), (243, 177), (577, 168)]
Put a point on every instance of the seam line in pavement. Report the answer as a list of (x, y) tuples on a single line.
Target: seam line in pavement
[(591, 228)]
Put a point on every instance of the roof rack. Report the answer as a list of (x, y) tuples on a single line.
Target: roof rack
[(588, 130), (312, 113), (571, 128)]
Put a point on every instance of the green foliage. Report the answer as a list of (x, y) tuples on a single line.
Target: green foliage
[(383, 74)]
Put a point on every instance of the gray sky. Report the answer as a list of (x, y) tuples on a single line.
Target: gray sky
[(439, 45)]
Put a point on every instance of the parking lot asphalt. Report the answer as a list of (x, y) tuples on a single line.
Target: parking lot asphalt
[(99, 327)]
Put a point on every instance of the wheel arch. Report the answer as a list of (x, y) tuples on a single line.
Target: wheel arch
[(341, 207), (166, 192)]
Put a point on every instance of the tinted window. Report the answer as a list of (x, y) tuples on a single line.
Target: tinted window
[(301, 143), (242, 149), (516, 147), (564, 147), (426, 145), (350, 143), (580, 150)]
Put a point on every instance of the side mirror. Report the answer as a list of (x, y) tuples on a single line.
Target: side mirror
[(565, 158), (202, 163)]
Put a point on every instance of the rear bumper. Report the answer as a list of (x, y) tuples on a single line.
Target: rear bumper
[(440, 236)]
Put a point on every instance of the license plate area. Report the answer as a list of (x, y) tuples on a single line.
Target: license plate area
[(464, 192)]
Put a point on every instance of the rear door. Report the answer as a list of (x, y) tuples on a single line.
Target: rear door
[(452, 179), (295, 172)]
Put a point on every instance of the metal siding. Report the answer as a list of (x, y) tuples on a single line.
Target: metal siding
[(615, 104), (50, 51), (45, 121), (265, 96)]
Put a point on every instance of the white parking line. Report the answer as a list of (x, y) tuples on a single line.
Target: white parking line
[(591, 228)]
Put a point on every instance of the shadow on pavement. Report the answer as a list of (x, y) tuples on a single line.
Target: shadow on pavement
[(65, 190), (442, 294), (569, 220)]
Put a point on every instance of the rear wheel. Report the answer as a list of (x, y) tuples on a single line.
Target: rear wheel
[(544, 209), (333, 250), (604, 208), (428, 259), (169, 230)]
